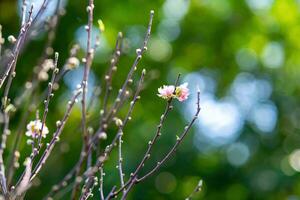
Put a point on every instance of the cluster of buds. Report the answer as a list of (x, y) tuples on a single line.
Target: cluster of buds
[(181, 92), (72, 63), (46, 66)]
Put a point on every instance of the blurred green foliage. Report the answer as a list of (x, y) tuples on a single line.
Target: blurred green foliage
[(223, 37)]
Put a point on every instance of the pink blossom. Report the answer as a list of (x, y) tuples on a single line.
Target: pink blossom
[(182, 92), (166, 92)]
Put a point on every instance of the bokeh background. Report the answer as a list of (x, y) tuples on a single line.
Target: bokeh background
[(243, 55)]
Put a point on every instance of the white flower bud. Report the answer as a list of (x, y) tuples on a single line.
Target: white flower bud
[(138, 51), (118, 122), (11, 39), (102, 136), (73, 63), (58, 123)]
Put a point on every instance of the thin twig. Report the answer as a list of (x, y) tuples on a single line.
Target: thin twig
[(151, 143), (87, 66), (24, 30), (36, 149), (5, 134), (171, 152), (178, 142), (88, 188), (94, 140), (121, 131), (112, 68), (126, 192), (101, 181), (49, 95), (56, 135), (50, 39), (84, 83), (111, 192), (53, 22), (13, 160), (28, 92), (114, 109), (63, 182), (91, 171), (10, 71), (196, 189), (120, 167)]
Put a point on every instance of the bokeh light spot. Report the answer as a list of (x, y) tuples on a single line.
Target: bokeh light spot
[(294, 160), (264, 116), (273, 55), (237, 154), (159, 50), (165, 182)]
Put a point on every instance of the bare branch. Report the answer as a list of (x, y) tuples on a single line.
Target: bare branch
[(88, 188), (94, 140), (114, 109), (134, 179), (197, 189), (56, 135), (112, 68), (88, 62), (10, 70), (101, 181)]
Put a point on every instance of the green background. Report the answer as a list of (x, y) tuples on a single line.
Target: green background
[(219, 39)]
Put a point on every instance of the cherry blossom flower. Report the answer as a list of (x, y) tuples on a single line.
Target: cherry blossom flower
[(34, 128), (182, 92), (166, 92)]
